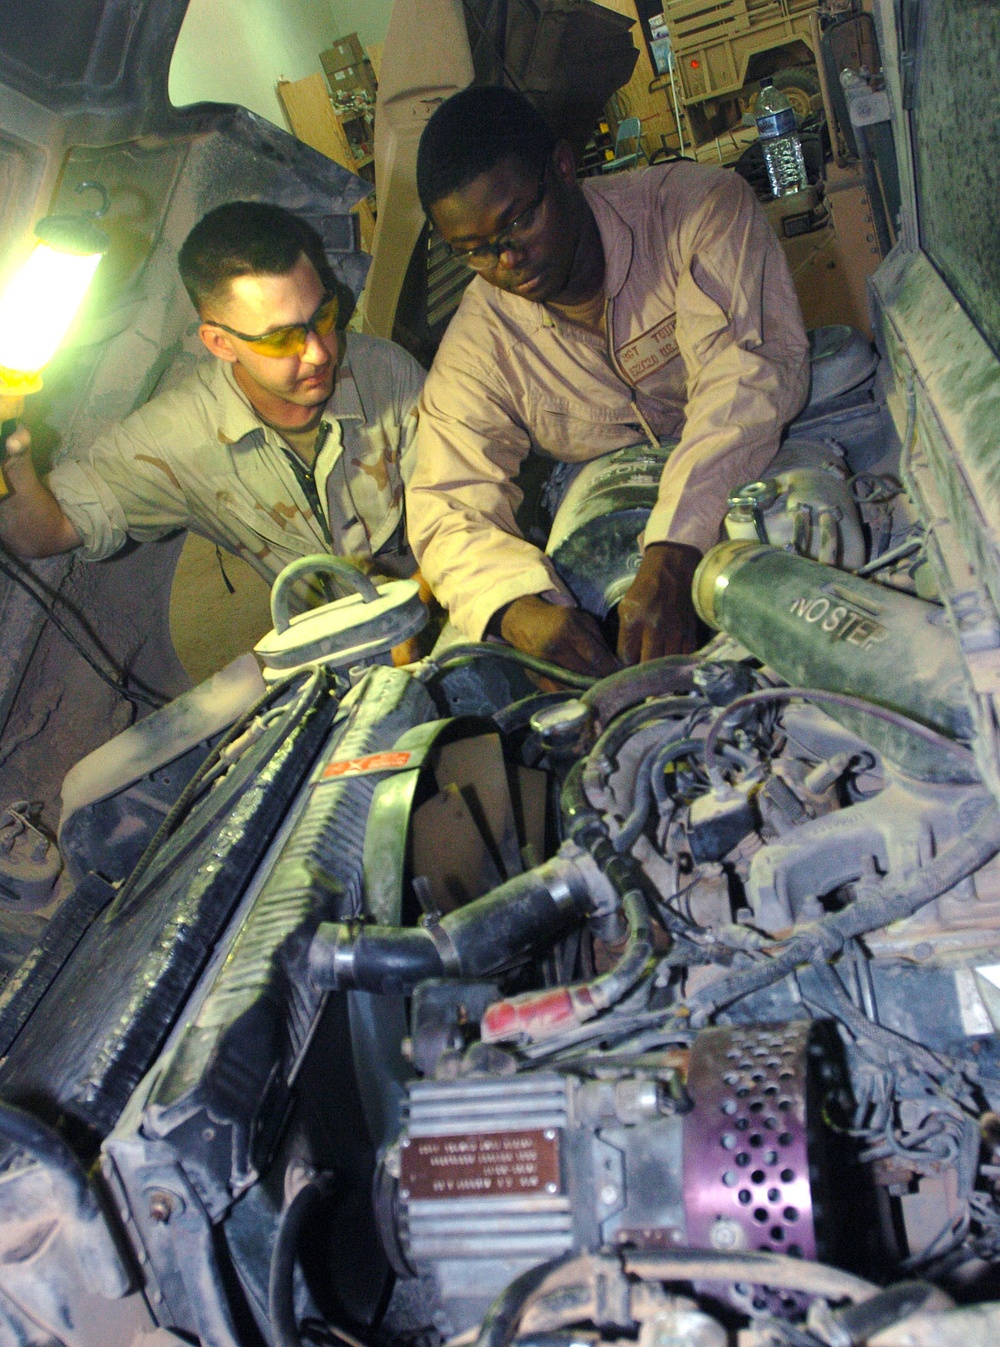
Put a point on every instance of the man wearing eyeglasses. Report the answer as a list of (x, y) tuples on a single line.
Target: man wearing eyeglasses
[(649, 305), (295, 439)]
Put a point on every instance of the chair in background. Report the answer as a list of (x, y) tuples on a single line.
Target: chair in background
[(629, 130)]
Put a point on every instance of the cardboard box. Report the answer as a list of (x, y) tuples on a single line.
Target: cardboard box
[(352, 77), (344, 52)]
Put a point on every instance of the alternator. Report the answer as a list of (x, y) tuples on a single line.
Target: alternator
[(708, 1148)]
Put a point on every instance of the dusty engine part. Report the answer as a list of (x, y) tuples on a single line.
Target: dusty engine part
[(594, 539), (812, 512), (746, 1141), (805, 504), (355, 630), (710, 1149), (824, 629), (29, 861)]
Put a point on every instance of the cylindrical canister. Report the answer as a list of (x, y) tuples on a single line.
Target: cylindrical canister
[(823, 628)]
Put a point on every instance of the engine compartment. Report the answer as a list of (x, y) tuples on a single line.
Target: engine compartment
[(420, 1005)]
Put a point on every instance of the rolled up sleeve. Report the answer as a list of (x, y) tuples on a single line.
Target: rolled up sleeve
[(461, 501), (121, 488), (741, 336)]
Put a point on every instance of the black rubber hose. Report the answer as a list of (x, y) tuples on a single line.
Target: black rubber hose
[(504, 926), (670, 676), (457, 656), (617, 982), (281, 1279), (631, 722), (500, 1322), (518, 714), (894, 900), (861, 1322)]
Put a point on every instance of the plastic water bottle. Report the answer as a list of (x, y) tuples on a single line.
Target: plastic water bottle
[(780, 141)]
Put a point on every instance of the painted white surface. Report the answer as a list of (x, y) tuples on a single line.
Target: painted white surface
[(235, 51), (368, 18)]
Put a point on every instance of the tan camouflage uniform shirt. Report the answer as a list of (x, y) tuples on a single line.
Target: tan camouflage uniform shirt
[(199, 457)]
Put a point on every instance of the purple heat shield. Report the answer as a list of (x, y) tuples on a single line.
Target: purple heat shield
[(746, 1162)]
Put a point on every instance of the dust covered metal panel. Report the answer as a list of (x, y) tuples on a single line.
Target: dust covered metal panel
[(956, 114), (947, 384)]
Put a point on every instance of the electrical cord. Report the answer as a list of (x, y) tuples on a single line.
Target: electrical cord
[(17, 574), (891, 901), (281, 1277)]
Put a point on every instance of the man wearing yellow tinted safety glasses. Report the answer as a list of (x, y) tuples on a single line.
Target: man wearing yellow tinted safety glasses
[(294, 439)]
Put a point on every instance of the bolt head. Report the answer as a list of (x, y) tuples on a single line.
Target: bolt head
[(161, 1206), (726, 1236)]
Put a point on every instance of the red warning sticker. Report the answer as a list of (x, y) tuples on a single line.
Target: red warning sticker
[(374, 762)]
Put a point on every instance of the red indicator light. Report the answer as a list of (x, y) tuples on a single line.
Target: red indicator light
[(695, 65)]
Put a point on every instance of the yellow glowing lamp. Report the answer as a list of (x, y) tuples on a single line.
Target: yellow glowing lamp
[(40, 301), (44, 295)]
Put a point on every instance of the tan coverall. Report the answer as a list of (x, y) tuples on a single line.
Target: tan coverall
[(705, 342)]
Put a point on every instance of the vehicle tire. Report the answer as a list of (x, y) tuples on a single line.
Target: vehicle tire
[(800, 85)]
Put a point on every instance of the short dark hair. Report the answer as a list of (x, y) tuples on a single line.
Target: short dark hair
[(245, 238), (473, 131)]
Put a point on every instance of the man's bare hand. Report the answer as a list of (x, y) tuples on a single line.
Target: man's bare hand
[(18, 441), (656, 616), (17, 444), (32, 522), (568, 637)]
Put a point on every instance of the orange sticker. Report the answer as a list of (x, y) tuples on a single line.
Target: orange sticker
[(375, 762)]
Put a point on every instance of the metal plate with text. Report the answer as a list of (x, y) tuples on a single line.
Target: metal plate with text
[(484, 1164)]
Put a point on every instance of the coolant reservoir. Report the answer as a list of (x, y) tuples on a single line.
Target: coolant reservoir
[(805, 503), (808, 510), (360, 628)]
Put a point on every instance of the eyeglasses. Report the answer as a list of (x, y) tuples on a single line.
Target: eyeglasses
[(288, 341), (487, 255)]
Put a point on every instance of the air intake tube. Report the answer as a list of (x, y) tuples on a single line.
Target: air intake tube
[(823, 628), (490, 933)]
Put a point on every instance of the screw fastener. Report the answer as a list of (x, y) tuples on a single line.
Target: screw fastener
[(161, 1206)]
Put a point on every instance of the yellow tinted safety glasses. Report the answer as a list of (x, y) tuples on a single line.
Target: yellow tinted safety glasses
[(289, 341)]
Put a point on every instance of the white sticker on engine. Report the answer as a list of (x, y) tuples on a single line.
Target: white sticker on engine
[(975, 1016)]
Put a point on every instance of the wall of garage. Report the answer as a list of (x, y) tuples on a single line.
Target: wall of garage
[(235, 51), (368, 18)]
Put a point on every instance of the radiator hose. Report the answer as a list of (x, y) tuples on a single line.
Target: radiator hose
[(503, 927), (555, 1010)]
